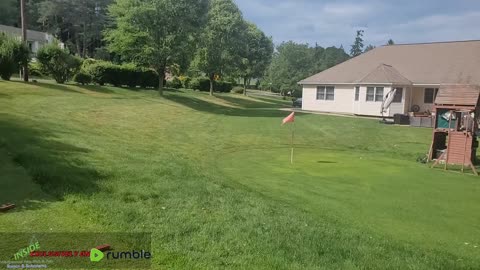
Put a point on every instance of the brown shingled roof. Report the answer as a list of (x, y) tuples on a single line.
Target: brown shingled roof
[(428, 63), (459, 94), (385, 74)]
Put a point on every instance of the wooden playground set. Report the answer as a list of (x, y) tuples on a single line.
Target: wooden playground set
[(454, 142)]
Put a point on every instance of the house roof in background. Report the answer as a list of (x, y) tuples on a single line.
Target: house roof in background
[(459, 94), (455, 62), (385, 74), (31, 34)]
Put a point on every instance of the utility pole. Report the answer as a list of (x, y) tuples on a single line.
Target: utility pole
[(24, 36)]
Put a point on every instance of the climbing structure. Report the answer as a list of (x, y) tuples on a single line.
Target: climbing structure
[(455, 134)]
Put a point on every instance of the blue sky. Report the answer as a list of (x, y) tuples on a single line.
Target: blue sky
[(331, 22)]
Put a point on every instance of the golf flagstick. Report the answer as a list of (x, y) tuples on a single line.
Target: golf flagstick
[(290, 119), (293, 136)]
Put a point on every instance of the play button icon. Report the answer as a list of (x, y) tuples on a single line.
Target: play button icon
[(96, 255)]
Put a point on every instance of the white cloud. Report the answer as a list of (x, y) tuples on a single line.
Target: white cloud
[(333, 22), (440, 27), (346, 9)]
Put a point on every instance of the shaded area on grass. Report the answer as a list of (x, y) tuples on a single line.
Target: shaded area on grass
[(59, 87), (209, 107), (17, 187), (253, 102), (55, 166)]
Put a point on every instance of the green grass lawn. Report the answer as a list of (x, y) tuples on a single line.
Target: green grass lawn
[(211, 178)]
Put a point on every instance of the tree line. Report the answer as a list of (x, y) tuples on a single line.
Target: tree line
[(194, 37)]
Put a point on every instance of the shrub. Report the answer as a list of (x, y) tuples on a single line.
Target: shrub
[(200, 83), (34, 69), (194, 84), (149, 79), (237, 90), (174, 83), (82, 78), (103, 72), (223, 87), (13, 54), (185, 80), (57, 63)]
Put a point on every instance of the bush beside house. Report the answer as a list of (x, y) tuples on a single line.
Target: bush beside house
[(13, 55), (58, 63)]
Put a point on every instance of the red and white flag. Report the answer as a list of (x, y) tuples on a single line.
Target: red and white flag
[(289, 119)]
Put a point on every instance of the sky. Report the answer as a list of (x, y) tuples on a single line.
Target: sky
[(334, 23)]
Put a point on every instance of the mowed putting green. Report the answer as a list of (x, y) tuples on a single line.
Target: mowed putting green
[(211, 178)]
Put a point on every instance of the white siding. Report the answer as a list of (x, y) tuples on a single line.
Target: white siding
[(418, 98), (373, 108), (343, 103), (345, 100)]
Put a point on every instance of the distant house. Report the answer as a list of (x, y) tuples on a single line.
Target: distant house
[(35, 39), (359, 85)]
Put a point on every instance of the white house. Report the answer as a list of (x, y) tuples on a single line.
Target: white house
[(359, 85), (35, 39)]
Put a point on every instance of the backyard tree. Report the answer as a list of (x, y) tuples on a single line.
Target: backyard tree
[(77, 23), (257, 51), (293, 62), (357, 47), (155, 33), (220, 47), (9, 10)]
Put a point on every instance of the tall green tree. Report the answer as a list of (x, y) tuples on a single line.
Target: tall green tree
[(257, 54), (77, 23), (390, 42), (219, 51), (293, 62), (9, 12), (357, 47), (154, 33)]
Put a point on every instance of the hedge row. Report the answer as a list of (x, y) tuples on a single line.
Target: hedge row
[(102, 73), (203, 84)]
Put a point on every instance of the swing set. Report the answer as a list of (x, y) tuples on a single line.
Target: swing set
[(454, 142)]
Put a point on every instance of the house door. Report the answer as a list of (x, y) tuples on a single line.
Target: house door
[(398, 104)]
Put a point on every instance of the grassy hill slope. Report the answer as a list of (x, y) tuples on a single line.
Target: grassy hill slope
[(211, 178)]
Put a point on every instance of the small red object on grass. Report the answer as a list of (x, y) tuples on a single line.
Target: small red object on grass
[(104, 247), (6, 207)]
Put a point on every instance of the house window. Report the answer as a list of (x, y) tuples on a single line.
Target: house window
[(379, 94), (320, 92), (430, 95), (375, 94), (325, 93), (398, 96), (370, 93), (357, 93)]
